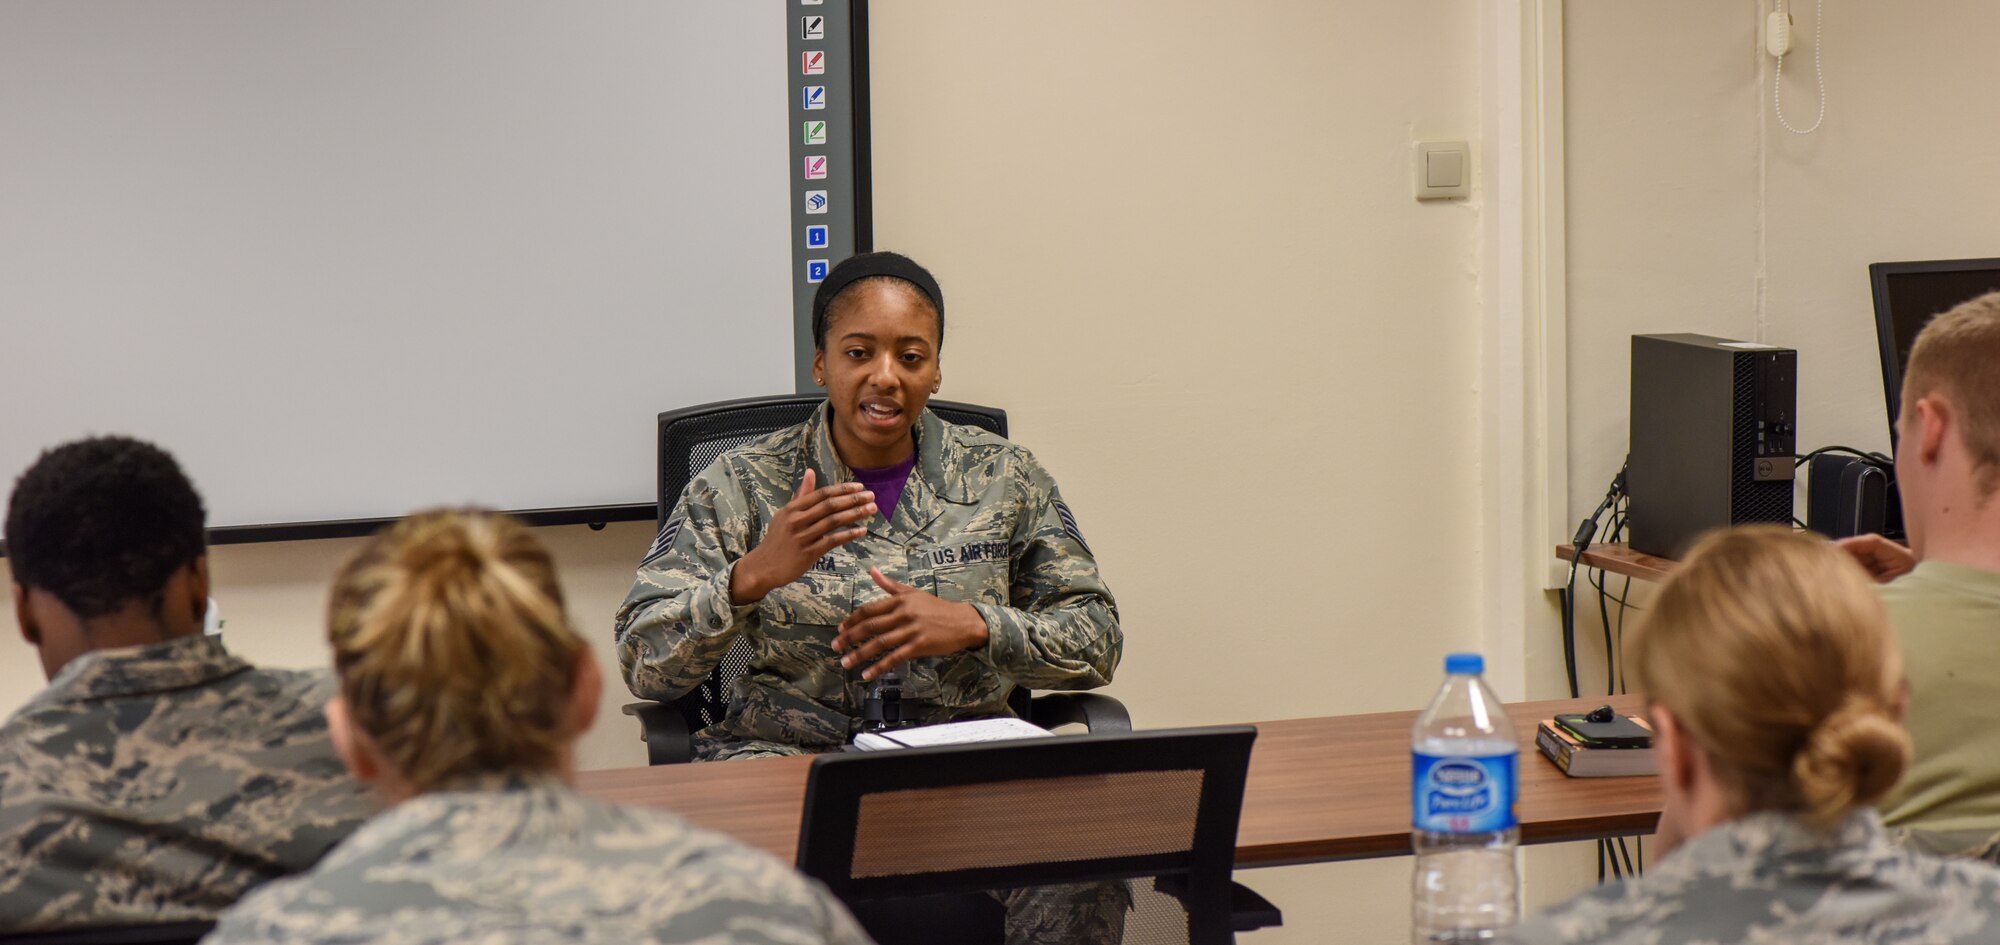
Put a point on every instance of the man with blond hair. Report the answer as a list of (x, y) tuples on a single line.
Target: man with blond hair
[(1943, 591)]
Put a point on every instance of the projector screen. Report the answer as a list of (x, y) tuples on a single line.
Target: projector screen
[(349, 259)]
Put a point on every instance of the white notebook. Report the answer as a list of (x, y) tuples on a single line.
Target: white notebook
[(950, 733)]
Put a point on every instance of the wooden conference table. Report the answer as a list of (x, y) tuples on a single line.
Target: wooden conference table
[(1319, 789)]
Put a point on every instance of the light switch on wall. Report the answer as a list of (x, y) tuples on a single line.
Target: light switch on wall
[(1443, 169)]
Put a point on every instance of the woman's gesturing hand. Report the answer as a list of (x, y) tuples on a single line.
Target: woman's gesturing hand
[(815, 522), (883, 634)]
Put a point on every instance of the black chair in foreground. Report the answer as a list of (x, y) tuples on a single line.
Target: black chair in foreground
[(912, 839), (164, 933), (689, 440)]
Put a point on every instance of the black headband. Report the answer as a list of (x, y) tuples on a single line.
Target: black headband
[(868, 265)]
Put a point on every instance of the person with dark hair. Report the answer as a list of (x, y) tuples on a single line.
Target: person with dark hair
[(158, 777), (874, 536)]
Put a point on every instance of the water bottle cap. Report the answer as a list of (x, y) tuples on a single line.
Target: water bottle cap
[(1464, 664)]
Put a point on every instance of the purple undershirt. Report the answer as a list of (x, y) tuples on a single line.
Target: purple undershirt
[(887, 483)]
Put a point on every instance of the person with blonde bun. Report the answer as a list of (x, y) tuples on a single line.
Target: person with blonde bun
[(462, 692), (1775, 691)]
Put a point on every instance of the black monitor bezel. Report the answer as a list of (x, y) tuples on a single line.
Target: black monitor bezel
[(1885, 323)]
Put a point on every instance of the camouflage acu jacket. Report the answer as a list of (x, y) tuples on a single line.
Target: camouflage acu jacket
[(1767, 878), (980, 521), (158, 783), (531, 860)]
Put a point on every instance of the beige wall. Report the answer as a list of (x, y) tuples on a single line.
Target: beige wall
[(1179, 245)]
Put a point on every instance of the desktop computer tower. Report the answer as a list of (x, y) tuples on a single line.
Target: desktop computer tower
[(1713, 438)]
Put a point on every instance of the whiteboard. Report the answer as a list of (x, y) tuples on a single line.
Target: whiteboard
[(348, 259)]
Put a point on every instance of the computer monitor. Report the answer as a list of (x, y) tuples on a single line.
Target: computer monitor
[(1908, 295)]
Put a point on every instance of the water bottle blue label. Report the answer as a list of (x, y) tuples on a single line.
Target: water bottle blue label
[(1460, 794)]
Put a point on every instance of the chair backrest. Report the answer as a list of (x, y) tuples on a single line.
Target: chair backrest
[(1034, 812), (691, 438)]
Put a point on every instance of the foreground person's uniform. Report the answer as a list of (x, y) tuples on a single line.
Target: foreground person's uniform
[(528, 859), (979, 522), (1766, 878), (159, 783)]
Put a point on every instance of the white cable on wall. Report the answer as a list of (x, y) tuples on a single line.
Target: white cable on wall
[(1778, 82)]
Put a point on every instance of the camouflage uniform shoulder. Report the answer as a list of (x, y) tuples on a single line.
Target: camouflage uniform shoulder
[(309, 688), (523, 857), (976, 446)]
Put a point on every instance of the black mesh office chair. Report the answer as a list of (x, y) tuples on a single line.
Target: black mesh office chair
[(909, 839), (689, 440), (164, 933)]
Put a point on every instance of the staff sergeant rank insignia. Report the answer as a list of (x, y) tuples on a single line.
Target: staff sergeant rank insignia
[(668, 533), (1069, 526)]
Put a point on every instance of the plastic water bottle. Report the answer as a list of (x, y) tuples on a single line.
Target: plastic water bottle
[(1465, 761)]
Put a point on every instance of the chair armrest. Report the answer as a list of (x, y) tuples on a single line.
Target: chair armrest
[(665, 732), (1099, 713), (1249, 911)]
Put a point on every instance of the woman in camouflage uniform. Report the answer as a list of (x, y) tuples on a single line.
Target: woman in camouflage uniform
[(872, 536), (1776, 689), (877, 536), (463, 690)]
